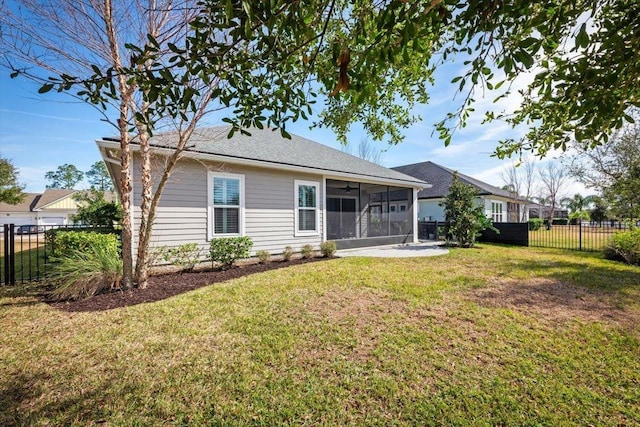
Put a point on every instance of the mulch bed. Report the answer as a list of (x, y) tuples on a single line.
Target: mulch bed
[(167, 285)]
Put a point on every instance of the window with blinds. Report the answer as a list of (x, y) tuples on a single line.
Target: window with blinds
[(227, 201), (307, 207)]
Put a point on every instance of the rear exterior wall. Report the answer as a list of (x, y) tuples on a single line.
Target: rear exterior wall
[(269, 215)]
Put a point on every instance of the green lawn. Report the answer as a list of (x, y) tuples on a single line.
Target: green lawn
[(487, 336), (31, 265)]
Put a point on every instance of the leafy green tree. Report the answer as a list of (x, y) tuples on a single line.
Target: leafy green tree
[(578, 205), (578, 202), (11, 191), (66, 176), (614, 170), (98, 177), (95, 210), (600, 211), (464, 219)]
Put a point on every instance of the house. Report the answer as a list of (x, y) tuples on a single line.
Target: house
[(279, 192), (53, 207), (543, 211), (499, 205)]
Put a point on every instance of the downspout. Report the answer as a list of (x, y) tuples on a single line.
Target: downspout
[(415, 215)]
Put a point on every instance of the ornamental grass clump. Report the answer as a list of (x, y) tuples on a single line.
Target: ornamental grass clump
[(328, 249), (263, 256), (287, 253), (83, 273), (307, 251)]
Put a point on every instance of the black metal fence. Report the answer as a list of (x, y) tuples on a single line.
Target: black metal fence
[(580, 236), (428, 230), (25, 251)]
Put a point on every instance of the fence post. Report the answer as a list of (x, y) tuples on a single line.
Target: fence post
[(436, 232), (580, 233), (5, 242), (9, 255)]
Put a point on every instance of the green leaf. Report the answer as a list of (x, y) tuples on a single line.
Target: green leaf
[(45, 88), (582, 39), (524, 57), (528, 42)]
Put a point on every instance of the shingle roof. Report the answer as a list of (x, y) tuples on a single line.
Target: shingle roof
[(266, 145), (35, 201), (29, 202), (51, 195), (441, 177)]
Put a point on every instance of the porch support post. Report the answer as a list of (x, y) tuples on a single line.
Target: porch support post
[(415, 215), (324, 208), (388, 212), (359, 217)]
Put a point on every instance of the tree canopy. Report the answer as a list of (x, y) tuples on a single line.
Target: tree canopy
[(614, 170), (65, 176), (98, 177), (373, 61), (11, 191)]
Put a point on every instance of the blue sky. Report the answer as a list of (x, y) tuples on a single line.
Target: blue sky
[(38, 133)]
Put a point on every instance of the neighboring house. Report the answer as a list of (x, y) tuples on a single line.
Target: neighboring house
[(499, 205), (279, 192), (53, 207), (544, 211)]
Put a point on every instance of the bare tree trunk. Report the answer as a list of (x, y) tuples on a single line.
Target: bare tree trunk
[(151, 198), (125, 149), (146, 216), (125, 189)]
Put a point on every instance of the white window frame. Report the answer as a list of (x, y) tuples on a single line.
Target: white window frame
[(211, 175), (496, 211), (296, 208)]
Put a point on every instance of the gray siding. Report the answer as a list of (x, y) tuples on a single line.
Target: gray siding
[(269, 207)]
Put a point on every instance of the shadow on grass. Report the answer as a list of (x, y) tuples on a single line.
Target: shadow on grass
[(21, 401), (24, 295), (30, 264)]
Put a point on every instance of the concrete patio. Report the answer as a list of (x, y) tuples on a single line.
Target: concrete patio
[(407, 250)]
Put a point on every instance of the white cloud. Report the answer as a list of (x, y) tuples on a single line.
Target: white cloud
[(47, 116)]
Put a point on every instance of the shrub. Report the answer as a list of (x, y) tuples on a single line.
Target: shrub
[(464, 220), (328, 248), (535, 224), (96, 210), (307, 251), (226, 250), (287, 253), (62, 242), (185, 256), (624, 246), (83, 273), (560, 221), (264, 256)]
